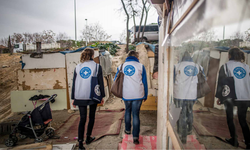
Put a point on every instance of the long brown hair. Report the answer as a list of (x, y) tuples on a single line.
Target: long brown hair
[(236, 54), (86, 55)]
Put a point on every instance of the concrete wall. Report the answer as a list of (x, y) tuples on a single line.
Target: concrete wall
[(55, 60), (41, 79), (20, 99)]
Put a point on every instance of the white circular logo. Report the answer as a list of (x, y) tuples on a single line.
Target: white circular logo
[(97, 90), (225, 91)]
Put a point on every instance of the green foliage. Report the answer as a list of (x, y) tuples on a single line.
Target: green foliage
[(112, 48), (131, 47)]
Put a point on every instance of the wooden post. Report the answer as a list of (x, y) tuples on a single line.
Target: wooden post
[(38, 47)]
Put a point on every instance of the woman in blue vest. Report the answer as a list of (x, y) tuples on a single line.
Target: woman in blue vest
[(135, 90), (81, 93), (240, 72)]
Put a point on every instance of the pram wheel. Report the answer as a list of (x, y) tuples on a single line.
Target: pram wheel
[(50, 132), (21, 136), (38, 140), (9, 142), (15, 139)]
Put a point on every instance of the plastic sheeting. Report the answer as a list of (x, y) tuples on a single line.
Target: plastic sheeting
[(208, 14), (151, 46), (78, 50)]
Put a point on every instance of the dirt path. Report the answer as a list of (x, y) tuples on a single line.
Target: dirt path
[(9, 64)]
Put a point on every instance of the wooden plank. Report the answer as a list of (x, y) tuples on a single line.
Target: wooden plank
[(20, 99), (151, 54), (67, 89), (184, 15), (150, 103), (164, 9), (157, 1), (173, 137), (41, 79), (35, 145), (223, 60), (211, 80)]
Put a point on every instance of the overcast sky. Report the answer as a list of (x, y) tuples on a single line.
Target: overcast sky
[(58, 15)]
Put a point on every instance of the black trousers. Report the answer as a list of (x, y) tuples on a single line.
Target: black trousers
[(83, 117), (185, 122), (242, 112)]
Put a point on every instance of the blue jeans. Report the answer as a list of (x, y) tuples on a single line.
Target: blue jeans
[(134, 107)]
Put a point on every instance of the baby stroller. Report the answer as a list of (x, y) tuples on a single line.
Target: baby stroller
[(34, 124)]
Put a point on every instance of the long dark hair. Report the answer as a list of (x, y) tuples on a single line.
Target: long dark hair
[(236, 54), (86, 55)]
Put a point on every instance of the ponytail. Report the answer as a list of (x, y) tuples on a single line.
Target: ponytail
[(86, 55)]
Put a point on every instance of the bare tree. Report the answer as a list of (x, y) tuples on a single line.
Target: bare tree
[(142, 15), (94, 32), (37, 37), (237, 35), (4, 41), (18, 37), (124, 8), (133, 11), (10, 46), (146, 17), (61, 36), (247, 35), (48, 36), (27, 38), (123, 36)]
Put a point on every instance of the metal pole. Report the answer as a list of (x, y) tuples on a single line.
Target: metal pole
[(86, 31), (223, 32), (75, 24)]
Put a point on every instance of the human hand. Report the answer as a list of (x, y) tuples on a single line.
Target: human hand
[(155, 75), (102, 102), (73, 104), (218, 102), (144, 100)]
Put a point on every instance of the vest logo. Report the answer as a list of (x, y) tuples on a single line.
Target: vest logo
[(190, 70), (225, 91), (85, 72), (97, 90), (239, 72), (129, 70)]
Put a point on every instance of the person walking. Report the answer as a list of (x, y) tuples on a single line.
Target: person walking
[(240, 73), (135, 90), (81, 93), (185, 93)]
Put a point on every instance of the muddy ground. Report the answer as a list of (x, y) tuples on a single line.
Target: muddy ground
[(148, 125)]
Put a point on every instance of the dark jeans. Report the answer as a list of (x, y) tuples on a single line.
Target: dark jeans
[(185, 122), (83, 117), (242, 112), (134, 107)]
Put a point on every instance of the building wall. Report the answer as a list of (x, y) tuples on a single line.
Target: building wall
[(56, 60), (20, 99), (41, 79)]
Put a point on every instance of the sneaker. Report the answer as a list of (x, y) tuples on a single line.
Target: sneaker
[(232, 142), (127, 132), (136, 141), (248, 147), (89, 140), (81, 147)]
